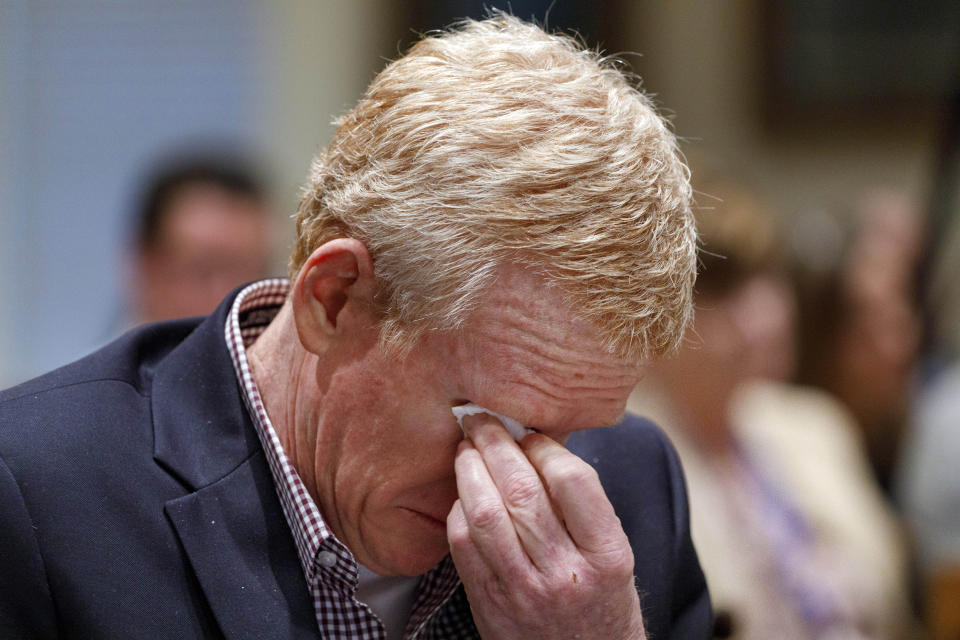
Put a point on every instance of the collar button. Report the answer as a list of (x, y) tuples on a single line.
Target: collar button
[(327, 558)]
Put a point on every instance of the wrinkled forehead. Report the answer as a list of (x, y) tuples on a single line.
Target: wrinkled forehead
[(527, 303), (540, 361)]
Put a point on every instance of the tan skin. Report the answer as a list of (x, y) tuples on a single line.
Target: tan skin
[(535, 540)]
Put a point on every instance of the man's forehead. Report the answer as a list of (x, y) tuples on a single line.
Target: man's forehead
[(527, 306), (539, 361), (520, 294)]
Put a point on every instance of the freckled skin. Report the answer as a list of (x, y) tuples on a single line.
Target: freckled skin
[(375, 440)]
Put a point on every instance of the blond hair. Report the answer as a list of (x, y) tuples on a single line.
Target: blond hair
[(496, 142)]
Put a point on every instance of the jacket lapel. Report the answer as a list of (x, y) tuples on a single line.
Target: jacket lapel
[(230, 523), (201, 427), (246, 564)]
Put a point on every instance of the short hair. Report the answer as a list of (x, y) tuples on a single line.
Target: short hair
[(175, 174), (495, 141)]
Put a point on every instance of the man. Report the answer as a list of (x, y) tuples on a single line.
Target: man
[(502, 221), (203, 227)]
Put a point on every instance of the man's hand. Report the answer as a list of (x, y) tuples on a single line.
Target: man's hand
[(536, 542)]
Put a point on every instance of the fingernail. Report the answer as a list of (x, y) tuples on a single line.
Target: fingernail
[(463, 412), (470, 423)]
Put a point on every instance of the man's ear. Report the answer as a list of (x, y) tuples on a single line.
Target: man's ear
[(337, 274)]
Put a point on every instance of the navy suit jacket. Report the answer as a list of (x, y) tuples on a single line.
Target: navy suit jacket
[(136, 502)]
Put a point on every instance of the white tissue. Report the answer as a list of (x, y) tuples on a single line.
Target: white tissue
[(514, 428)]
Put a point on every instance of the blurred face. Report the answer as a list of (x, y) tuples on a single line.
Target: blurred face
[(764, 308), (876, 356), (210, 242), (879, 340), (387, 438), (746, 332), (740, 334)]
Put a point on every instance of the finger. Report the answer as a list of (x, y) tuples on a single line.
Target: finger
[(540, 530), (488, 521), (578, 495), (470, 564)]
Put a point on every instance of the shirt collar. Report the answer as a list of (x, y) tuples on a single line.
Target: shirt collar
[(320, 553)]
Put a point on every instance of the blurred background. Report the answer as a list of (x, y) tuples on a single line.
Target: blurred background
[(839, 120)]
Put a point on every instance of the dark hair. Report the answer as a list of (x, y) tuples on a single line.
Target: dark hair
[(174, 176), (739, 237)]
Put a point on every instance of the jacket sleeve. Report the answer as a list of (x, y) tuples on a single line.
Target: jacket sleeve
[(692, 613), (26, 606)]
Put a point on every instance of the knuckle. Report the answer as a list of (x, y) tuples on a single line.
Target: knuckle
[(571, 475), (522, 491), (485, 514), (458, 537), (614, 560)]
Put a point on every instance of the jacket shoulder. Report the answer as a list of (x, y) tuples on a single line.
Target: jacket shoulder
[(54, 420), (129, 359), (639, 469)]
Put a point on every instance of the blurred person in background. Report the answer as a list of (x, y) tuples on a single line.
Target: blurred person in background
[(793, 536), (860, 322), (203, 226)]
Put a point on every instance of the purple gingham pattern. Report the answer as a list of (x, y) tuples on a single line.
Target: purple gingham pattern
[(440, 611)]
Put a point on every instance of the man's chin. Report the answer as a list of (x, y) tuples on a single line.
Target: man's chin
[(411, 552), (410, 561)]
